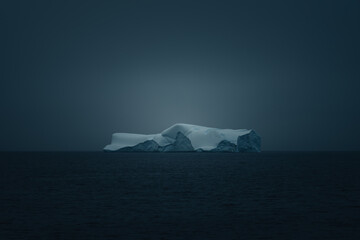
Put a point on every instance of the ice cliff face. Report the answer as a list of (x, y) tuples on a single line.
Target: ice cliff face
[(185, 138)]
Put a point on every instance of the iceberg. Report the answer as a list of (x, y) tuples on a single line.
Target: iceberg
[(187, 138)]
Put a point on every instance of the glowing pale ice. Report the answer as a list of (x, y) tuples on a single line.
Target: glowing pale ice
[(187, 137)]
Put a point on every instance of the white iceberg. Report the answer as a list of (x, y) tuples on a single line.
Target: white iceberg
[(187, 137)]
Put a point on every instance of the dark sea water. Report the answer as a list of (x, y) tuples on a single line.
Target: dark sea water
[(95, 195)]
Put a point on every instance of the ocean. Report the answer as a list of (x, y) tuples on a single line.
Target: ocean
[(97, 195)]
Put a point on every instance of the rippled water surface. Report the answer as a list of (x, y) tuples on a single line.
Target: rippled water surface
[(95, 195)]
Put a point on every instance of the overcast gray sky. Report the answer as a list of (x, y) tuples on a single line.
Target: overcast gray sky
[(74, 72)]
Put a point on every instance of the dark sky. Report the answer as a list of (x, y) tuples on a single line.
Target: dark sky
[(73, 72)]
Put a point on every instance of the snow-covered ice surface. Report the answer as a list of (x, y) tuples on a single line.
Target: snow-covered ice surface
[(187, 137)]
